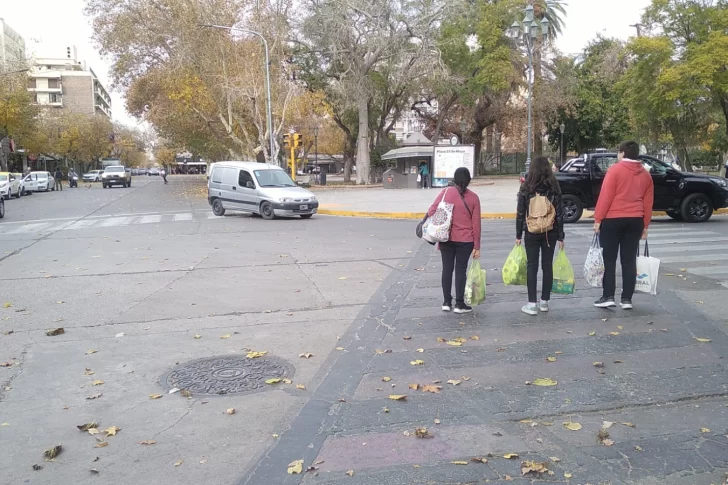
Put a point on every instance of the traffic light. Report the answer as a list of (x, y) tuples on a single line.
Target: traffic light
[(297, 140), (287, 141)]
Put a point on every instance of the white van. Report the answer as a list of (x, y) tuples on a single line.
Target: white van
[(259, 188)]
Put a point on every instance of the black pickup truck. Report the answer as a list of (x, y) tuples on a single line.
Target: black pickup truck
[(684, 196)]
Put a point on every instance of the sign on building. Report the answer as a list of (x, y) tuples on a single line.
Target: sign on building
[(447, 159)]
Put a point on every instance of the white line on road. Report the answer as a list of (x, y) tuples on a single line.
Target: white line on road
[(79, 225), (115, 221), (187, 216), (29, 228), (684, 249), (708, 270), (150, 219), (695, 259)]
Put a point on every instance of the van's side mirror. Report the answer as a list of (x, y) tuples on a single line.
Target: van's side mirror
[(250, 184)]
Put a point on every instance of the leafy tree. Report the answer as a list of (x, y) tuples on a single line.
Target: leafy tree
[(17, 109)]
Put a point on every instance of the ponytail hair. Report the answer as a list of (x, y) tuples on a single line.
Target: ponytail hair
[(462, 178)]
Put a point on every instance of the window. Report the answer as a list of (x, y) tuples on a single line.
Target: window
[(654, 167), (602, 164), (217, 175), (244, 178), (273, 178)]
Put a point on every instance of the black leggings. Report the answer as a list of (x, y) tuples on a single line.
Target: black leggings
[(455, 257), (620, 235), (542, 245)]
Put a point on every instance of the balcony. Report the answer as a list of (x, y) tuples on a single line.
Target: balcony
[(57, 90)]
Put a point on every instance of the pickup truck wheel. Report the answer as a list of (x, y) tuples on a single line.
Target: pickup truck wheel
[(675, 215), (696, 208), (217, 208), (572, 207)]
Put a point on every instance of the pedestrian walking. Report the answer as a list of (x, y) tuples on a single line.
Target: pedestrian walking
[(541, 217), (164, 175), (464, 239), (622, 216), (59, 178), (424, 172)]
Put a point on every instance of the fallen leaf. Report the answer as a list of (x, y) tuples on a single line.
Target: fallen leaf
[(544, 382), (300, 387), (37, 467), (230, 411), (510, 456), (119, 335), (607, 424), (55, 331), (414, 386), (638, 448), (226, 336), (705, 430), (94, 471), (572, 426), (620, 327), (102, 444), (97, 382), (112, 430), (380, 351), (465, 378), (87, 426), (95, 459), (420, 350), (7, 305), (422, 433), (386, 379), (607, 442), (533, 467), (253, 354), (598, 364), (60, 302), (339, 348), (591, 334), (406, 337), (93, 431), (703, 340), (547, 423), (630, 425), (454, 343), (274, 380), (437, 421), (155, 396), (385, 410), (555, 459), (459, 462), (173, 390), (91, 351), (417, 362), (178, 462), (551, 359), (454, 382), (478, 459), (342, 277), (148, 442), (613, 334), (568, 475), (558, 352), (431, 388), (88, 372), (618, 362), (53, 452), (307, 355), (350, 473), (94, 396), (398, 397), (287, 381), (197, 337), (699, 302), (6, 364)]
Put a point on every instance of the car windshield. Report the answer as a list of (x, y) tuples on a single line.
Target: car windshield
[(273, 178), (115, 169), (3, 178)]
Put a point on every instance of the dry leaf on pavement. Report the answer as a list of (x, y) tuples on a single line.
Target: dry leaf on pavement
[(555, 459), (307, 355), (300, 387), (705, 430), (94, 396), (474, 337), (420, 350), (568, 475), (629, 425), (398, 397), (87, 426), (544, 382), (148, 442), (112, 430), (380, 351), (287, 381), (431, 388), (510, 456), (53, 452), (703, 340), (406, 337), (6, 364), (155, 396), (386, 379), (607, 424), (414, 387), (422, 433), (178, 462), (454, 343), (55, 331), (275, 380), (454, 382), (572, 426), (253, 354), (598, 364), (533, 467), (102, 444), (91, 351), (7, 305), (339, 348), (185, 393), (226, 336), (478, 459), (638, 448), (459, 462), (93, 431), (551, 359), (230, 411), (350, 473), (591, 334), (197, 337), (613, 334), (437, 421), (417, 362), (97, 382)]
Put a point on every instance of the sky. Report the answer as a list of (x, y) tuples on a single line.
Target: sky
[(48, 21)]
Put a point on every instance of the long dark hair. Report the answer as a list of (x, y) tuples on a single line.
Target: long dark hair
[(461, 180), (540, 176)]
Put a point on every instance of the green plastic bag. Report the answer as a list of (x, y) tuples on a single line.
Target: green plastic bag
[(563, 275), (514, 269), (475, 284)]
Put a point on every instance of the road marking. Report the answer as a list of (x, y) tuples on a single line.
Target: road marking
[(187, 216), (79, 225), (716, 247), (150, 219), (709, 270), (695, 259), (29, 228), (687, 241), (115, 221)]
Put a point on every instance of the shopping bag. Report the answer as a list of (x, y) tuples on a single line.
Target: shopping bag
[(475, 284), (563, 275), (648, 269), (419, 177), (437, 227), (420, 230), (594, 264), (514, 269)]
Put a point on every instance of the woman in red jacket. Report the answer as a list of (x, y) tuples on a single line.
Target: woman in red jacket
[(622, 216), (464, 238)]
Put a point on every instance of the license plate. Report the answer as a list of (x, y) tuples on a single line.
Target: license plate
[(304, 208)]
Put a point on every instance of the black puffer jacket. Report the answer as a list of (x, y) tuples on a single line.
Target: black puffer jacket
[(523, 203)]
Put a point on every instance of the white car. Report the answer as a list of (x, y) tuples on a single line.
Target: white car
[(39, 182), (9, 185), (93, 176), (21, 182)]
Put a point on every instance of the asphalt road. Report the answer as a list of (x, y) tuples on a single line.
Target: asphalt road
[(146, 282)]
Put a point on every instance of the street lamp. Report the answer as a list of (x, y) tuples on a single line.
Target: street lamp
[(315, 144), (269, 108), (527, 33), (562, 128)]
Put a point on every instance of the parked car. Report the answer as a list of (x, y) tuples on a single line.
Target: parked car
[(684, 196), (39, 182), (263, 189), (153, 171), (9, 185), (93, 176), (116, 175), (142, 171), (21, 182)]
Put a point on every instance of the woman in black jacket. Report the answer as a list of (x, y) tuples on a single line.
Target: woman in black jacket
[(541, 216)]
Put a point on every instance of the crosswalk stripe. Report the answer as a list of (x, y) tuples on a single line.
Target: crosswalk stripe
[(187, 216), (683, 249), (695, 259), (29, 228), (688, 241), (150, 219), (80, 224), (709, 270), (115, 221)]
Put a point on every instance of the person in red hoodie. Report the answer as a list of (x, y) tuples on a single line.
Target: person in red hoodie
[(464, 238), (622, 216)]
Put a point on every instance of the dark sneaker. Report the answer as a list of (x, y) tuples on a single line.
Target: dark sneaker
[(463, 308), (447, 306), (626, 304), (605, 303)]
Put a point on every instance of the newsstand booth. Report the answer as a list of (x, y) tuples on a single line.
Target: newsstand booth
[(448, 158)]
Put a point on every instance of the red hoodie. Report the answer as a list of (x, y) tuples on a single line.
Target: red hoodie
[(627, 191)]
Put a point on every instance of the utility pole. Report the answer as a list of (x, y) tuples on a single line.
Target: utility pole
[(639, 29)]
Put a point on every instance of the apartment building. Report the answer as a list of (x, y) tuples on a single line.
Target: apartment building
[(12, 47), (59, 80)]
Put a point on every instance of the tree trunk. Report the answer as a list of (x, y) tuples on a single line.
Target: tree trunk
[(349, 150), (362, 152)]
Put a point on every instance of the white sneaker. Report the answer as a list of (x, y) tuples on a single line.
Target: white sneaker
[(543, 306), (530, 309), (446, 308)]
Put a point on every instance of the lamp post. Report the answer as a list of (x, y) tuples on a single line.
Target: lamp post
[(269, 109), (562, 128), (315, 146), (527, 33)]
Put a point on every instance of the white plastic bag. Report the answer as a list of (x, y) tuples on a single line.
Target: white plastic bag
[(437, 227), (594, 264), (648, 270), (419, 177)]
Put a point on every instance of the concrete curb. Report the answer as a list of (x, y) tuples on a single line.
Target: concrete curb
[(420, 215)]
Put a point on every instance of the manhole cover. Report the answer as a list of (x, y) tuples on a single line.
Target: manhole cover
[(226, 375)]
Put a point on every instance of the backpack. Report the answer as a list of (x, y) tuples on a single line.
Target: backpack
[(541, 215)]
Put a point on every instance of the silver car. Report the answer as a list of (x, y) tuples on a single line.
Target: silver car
[(258, 188)]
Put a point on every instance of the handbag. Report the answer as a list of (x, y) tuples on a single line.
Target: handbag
[(648, 270), (419, 230), (437, 228), (594, 264)]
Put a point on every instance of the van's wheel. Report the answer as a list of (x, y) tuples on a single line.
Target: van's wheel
[(674, 215), (217, 208), (696, 208), (2, 208), (306, 216), (572, 207), (266, 211)]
